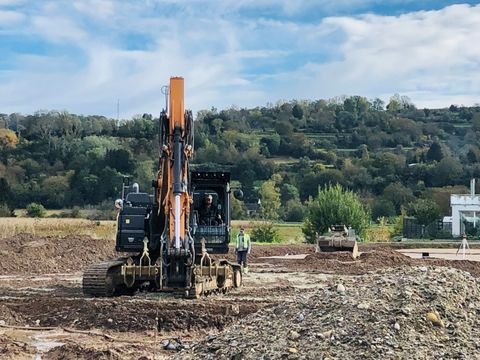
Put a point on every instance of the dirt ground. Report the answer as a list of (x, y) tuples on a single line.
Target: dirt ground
[(44, 314)]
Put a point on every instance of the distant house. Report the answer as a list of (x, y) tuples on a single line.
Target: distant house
[(465, 210), (252, 208)]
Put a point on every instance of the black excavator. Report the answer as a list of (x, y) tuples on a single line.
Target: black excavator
[(167, 236)]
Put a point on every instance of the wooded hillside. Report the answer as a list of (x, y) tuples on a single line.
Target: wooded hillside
[(391, 155)]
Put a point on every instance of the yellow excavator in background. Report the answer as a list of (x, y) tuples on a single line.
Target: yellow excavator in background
[(338, 238), (170, 242)]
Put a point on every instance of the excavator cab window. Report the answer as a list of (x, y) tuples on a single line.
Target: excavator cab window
[(208, 208)]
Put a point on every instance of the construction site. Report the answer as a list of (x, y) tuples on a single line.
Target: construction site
[(174, 281), (294, 304)]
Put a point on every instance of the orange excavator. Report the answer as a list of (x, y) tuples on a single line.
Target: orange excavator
[(168, 238)]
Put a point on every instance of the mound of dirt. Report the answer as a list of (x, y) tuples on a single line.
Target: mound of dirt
[(11, 349), (8, 316), (123, 315), (28, 254), (397, 313), (342, 262), (77, 352), (261, 251)]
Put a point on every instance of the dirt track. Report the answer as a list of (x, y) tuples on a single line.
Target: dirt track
[(40, 286)]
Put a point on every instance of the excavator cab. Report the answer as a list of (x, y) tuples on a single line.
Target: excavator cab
[(211, 226)]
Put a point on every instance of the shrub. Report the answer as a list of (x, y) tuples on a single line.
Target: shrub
[(5, 211), (265, 232), (36, 210), (104, 211)]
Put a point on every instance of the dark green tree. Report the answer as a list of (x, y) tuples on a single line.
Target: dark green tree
[(297, 111), (425, 211), (435, 152), (335, 205)]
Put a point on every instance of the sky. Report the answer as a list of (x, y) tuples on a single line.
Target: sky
[(107, 57)]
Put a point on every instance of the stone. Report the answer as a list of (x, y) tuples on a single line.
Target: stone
[(435, 319), (363, 306), (396, 325), (293, 335)]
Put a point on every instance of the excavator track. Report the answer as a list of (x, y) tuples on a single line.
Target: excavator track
[(98, 279)]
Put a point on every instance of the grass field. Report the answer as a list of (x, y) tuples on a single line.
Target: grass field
[(57, 227), (289, 232)]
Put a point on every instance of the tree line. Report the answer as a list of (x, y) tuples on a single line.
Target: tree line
[(395, 156)]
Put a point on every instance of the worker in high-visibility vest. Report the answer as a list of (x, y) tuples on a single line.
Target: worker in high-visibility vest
[(243, 248)]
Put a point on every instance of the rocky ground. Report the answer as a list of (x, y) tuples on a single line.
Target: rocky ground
[(326, 306), (403, 313)]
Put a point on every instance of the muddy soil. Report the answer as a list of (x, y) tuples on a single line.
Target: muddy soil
[(27, 254), (44, 314), (371, 260)]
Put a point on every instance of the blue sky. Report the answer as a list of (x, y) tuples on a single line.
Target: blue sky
[(84, 56)]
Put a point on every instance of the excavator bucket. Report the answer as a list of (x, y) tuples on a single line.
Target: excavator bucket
[(334, 245), (338, 240)]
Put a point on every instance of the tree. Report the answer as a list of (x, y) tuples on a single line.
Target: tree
[(398, 195), (473, 154), (335, 205), (8, 139), (289, 192), (120, 160), (447, 172), (297, 111), (383, 208), (435, 153), (270, 200), (237, 208), (5, 191), (425, 211), (55, 191), (145, 174), (293, 210)]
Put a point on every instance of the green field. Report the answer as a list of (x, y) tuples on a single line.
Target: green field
[(290, 233)]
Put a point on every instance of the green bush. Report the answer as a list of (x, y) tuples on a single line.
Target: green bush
[(70, 214), (36, 210), (265, 232), (5, 211), (104, 211)]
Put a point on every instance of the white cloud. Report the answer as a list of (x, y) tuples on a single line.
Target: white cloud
[(10, 18), (433, 54), (6, 3), (58, 29), (430, 56), (101, 9)]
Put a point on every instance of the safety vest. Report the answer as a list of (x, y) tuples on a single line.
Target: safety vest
[(246, 242)]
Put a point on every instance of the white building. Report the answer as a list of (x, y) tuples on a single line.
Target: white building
[(465, 209)]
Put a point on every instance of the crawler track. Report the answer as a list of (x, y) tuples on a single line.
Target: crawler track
[(98, 279)]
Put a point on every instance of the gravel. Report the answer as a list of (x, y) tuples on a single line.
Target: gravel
[(405, 312)]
